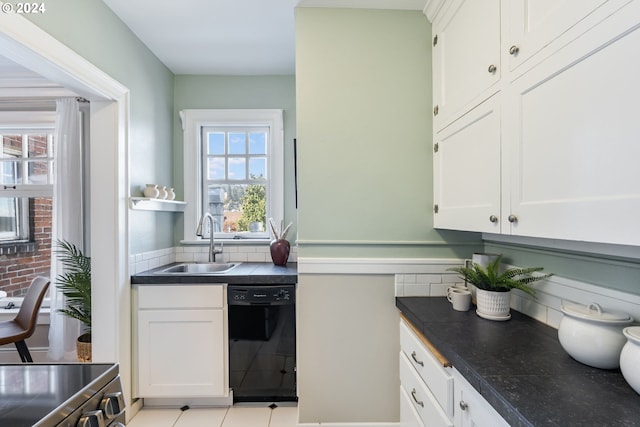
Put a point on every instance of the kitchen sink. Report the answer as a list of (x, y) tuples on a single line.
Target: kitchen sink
[(199, 268)]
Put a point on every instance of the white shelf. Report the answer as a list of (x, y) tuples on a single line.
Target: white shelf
[(148, 204)]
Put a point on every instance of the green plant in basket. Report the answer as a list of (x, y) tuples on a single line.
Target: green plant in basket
[(493, 279)]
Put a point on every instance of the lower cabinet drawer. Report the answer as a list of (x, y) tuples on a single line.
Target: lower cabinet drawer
[(409, 417), (421, 398), (437, 378)]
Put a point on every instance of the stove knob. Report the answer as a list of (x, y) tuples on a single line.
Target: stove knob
[(91, 419), (112, 404)]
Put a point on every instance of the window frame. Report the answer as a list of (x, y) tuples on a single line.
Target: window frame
[(26, 123), (193, 122)]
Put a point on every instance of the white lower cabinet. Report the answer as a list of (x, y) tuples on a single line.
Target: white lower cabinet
[(432, 394), (472, 410), (426, 384), (182, 346)]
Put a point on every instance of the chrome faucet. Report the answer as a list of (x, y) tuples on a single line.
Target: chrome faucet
[(200, 232)]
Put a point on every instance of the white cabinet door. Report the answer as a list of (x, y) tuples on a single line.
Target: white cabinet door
[(530, 26), (467, 171), (573, 126), (466, 57), (182, 353), (472, 409)]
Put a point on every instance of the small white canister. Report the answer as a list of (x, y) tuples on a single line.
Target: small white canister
[(592, 335), (630, 356)]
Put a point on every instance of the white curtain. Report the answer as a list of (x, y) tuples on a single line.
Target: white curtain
[(67, 221)]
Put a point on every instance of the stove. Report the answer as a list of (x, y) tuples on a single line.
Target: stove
[(61, 395)]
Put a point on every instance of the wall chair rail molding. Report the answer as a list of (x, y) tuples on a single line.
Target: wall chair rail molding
[(317, 265)]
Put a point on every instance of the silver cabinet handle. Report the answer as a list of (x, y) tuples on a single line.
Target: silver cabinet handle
[(493, 219), (413, 394), (492, 68), (513, 50), (463, 405), (413, 356), (512, 218)]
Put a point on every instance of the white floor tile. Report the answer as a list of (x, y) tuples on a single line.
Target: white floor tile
[(235, 416), (155, 418), (202, 417), (284, 416), (242, 416)]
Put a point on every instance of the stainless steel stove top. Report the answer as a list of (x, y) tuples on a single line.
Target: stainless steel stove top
[(48, 394)]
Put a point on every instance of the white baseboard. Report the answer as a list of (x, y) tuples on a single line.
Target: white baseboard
[(9, 354)]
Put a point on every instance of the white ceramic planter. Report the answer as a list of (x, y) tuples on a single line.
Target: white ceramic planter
[(592, 335), (630, 356), (493, 305)]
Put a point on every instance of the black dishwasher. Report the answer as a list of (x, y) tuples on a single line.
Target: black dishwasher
[(262, 343)]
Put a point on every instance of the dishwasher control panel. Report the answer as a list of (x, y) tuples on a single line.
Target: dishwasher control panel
[(261, 295)]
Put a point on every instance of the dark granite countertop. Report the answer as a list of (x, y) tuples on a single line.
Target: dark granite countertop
[(521, 369), (247, 273)]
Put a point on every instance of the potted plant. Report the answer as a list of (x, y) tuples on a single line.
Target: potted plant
[(75, 285), (494, 285)]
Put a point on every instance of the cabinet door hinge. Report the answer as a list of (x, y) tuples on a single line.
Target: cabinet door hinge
[(436, 109), (435, 147), (435, 40), (435, 208)]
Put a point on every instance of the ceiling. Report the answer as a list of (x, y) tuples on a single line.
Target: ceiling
[(227, 37), (213, 37)]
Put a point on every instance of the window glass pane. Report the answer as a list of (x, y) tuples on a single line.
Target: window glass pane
[(237, 168), (258, 168), (216, 143), (38, 172), (237, 143), (11, 172), (8, 218), (37, 146), (12, 145), (215, 168), (257, 143)]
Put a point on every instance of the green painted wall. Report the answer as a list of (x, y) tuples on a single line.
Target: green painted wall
[(363, 90), (610, 272), (238, 92), (93, 31)]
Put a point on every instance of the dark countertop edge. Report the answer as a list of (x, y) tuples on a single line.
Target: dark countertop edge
[(508, 409), (252, 273)]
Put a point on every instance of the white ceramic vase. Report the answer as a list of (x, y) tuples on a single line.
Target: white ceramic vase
[(151, 191), (630, 356), (171, 195), (162, 192)]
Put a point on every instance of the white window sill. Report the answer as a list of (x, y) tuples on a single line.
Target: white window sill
[(10, 313)]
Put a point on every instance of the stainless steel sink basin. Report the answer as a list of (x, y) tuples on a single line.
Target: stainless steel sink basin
[(199, 268)]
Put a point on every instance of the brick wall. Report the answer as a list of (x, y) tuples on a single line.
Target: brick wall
[(20, 262)]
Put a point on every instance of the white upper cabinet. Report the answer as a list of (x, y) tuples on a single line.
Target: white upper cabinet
[(466, 168), (466, 57), (573, 130), (561, 122), (529, 26)]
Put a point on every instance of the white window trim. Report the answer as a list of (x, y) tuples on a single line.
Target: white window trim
[(192, 122)]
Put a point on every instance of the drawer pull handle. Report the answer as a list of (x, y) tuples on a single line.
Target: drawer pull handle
[(463, 405), (419, 362), (413, 394)]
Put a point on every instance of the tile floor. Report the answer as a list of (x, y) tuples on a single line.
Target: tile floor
[(235, 416)]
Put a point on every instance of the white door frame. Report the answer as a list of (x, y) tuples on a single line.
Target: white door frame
[(28, 45)]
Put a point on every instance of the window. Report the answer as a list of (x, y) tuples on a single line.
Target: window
[(233, 169), (26, 194)]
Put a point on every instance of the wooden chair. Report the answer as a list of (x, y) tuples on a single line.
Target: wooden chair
[(22, 327)]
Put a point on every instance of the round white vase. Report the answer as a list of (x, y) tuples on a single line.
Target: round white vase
[(629, 357), (151, 191), (171, 195), (162, 192)]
